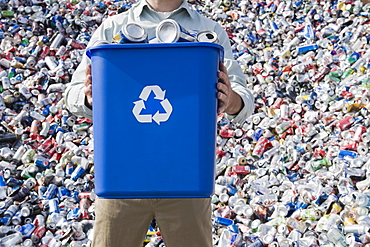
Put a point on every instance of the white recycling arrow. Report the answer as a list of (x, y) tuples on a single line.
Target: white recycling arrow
[(140, 105), (159, 94), (162, 117)]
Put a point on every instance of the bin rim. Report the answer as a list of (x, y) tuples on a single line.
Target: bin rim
[(154, 45)]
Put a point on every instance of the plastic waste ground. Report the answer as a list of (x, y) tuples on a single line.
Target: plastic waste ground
[(294, 174)]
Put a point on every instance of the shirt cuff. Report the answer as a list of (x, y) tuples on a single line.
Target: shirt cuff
[(76, 102), (246, 111)]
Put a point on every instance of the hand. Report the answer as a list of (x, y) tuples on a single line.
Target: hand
[(228, 100), (88, 86)]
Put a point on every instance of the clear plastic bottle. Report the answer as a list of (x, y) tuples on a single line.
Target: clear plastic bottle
[(3, 186), (336, 237), (11, 240)]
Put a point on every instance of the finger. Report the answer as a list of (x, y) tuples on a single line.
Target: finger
[(90, 101), (88, 80), (221, 107), (221, 87), (222, 67), (88, 91), (223, 73), (222, 97), (88, 69), (222, 77)]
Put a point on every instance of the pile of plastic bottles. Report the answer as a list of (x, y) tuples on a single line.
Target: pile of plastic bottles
[(294, 174)]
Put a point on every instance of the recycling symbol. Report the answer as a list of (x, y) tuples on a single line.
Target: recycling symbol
[(140, 106)]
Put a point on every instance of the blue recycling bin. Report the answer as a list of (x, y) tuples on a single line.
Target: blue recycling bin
[(154, 118)]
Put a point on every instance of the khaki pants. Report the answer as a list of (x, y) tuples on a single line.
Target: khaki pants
[(124, 222)]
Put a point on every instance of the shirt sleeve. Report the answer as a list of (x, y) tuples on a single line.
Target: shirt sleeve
[(237, 79), (74, 95)]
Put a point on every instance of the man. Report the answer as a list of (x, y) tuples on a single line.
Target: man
[(183, 222)]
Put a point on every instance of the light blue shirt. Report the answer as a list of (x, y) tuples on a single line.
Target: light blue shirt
[(142, 14)]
